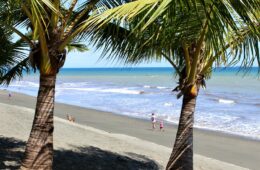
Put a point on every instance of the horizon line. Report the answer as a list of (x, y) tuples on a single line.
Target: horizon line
[(154, 67)]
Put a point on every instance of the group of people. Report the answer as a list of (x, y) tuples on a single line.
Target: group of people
[(153, 119), (70, 118)]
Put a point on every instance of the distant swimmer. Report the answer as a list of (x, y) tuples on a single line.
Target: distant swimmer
[(141, 92)]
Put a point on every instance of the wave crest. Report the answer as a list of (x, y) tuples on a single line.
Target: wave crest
[(225, 101)]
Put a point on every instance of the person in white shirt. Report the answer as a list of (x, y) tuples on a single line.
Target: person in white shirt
[(153, 120)]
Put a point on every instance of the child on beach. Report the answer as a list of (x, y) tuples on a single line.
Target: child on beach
[(153, 121), (161, 126)]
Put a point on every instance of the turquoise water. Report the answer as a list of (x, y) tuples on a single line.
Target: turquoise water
[(231, 102)]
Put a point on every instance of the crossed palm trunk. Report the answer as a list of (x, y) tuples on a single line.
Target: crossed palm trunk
[(182, 154), (39, 148)]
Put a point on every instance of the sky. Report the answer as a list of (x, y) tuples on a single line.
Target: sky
[(90, 59)]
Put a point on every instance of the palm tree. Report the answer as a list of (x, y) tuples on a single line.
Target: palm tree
[(10, 56), (192, 36), (13, 59), (51, 29)]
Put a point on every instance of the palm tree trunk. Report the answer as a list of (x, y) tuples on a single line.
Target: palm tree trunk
[(182, 153), (39, 148)]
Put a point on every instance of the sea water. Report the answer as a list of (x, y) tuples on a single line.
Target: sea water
[(230, 103)]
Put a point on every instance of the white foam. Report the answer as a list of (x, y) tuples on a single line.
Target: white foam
[(156, 87), (160, 87), (24, 84), (73, 85), (225, 101), (146, 86), (78, 88), (112, 90), (122, 91), (168, 104), (221, 123)]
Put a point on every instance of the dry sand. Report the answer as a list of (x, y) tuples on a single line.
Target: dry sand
[(101, 140)]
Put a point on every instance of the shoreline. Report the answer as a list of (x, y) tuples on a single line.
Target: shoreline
[(235, 135), (206, 130), (229, 148)]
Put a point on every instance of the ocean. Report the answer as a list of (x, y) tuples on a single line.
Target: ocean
[(229, 104)]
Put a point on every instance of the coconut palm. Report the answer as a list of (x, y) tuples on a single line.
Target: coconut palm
[(49, 30), (191, 35), (11, 55)]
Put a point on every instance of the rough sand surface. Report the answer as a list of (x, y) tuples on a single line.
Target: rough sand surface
[(83, 147)]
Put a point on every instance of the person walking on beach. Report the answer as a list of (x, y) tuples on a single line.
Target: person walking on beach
[(153, 121), (9, 95)]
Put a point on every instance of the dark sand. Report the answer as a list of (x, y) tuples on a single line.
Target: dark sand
[(237, 150)]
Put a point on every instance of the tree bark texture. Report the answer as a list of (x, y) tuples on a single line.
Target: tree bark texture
[(182, 154), (39, 148)]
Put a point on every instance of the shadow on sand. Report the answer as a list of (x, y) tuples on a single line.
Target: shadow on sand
[(83, 158)]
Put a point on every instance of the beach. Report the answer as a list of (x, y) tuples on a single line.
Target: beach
[(225, 105), (129, 85), (126, 141)]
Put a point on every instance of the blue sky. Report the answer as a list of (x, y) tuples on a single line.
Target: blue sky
[(90, 59)]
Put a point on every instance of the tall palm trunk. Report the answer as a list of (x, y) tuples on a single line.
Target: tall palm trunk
[(182, 153), (39, 148)]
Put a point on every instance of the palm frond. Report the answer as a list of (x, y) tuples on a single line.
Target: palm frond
[(16, 71), (241, 47), (82, 14), (142, 30), (13, 60), (75, 46)]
